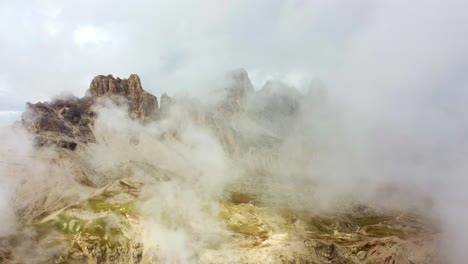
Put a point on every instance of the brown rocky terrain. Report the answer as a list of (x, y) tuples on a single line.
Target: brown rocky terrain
[(102, 214)]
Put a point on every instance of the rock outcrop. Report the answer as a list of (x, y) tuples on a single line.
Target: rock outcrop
[(241, 84), (237, 90), (63, 122), (165, 106), (142, 105), (67, 122)]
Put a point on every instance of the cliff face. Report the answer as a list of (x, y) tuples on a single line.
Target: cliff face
[(142, 105)]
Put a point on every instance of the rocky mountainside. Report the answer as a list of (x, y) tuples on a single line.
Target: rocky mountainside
[(187, 183), (67, 122)]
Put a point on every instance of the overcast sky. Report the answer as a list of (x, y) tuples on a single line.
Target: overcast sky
[(51, 46)]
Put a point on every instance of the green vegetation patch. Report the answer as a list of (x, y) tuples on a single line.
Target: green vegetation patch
[(371, 220), (99, 204)]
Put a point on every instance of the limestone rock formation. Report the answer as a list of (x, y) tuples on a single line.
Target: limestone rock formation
[(142, 105), (165, 100), (276, 98), (237, 90), (67, 122), (241, 84), (165, 105), (62, 122)]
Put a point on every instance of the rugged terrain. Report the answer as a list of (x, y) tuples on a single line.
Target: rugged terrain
[(185, 182)]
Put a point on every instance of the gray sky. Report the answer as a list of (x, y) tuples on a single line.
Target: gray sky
[(51, 46)]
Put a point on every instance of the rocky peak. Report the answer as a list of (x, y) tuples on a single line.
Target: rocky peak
[(165, 99), (236, 92), (103, 85), (278, 98), (142, 105), (165, 105), (67, 122), (241, 84)]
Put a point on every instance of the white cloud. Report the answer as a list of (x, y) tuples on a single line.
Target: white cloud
[(7, 117), (172, 45), (89, 34)]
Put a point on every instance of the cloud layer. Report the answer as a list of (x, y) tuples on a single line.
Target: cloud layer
[(52, 46)]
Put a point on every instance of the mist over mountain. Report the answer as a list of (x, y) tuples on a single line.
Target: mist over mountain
[(242, 176), (130, 134)]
